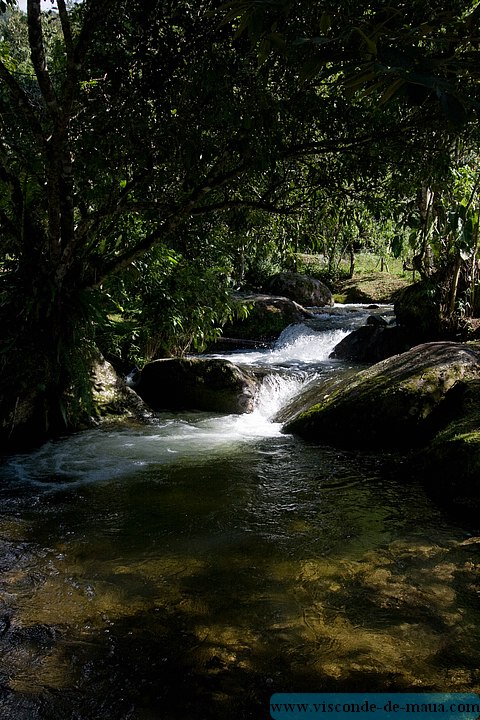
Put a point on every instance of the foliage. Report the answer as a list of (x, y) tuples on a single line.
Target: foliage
[(150, 161), (113, 136), (426, 53), (164, 305)]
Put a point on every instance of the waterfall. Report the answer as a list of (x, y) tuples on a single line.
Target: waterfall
[(277, 390), (300, 343), (297, 346), (300, 356)]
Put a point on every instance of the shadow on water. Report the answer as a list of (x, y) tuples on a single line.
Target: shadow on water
[(200, 590), (152, 665), (155, 663)]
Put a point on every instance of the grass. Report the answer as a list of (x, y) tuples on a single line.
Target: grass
[(365, 262), (370, 284)]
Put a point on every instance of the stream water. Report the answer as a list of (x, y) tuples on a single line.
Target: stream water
[(192, 567)]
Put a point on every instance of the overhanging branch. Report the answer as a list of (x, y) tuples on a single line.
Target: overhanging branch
[(37, 52), (18, 95), (250, 204), (175, 217)]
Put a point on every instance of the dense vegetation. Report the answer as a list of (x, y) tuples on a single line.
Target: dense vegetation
[(155, 156)]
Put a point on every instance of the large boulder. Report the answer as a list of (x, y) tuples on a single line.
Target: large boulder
[(111, 396), (196, 384), (400, 402), (303, 289), (267, 317), (31, 422), (372, 343), (418, 311), (450, 464)]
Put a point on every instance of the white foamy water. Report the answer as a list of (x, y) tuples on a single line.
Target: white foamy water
[(297, 346), (102, 455)]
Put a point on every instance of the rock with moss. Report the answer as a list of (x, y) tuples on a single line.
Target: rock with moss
[(418, 311), (267, 317), (196, 384), (303, 289), (111, 396), (450, 464), (401, 402), (372, 343)]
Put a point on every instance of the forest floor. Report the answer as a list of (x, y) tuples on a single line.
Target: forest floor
[(370, 287), (375, 280)]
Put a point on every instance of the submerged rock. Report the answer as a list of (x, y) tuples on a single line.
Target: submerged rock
[(400, 402), (196, 384)]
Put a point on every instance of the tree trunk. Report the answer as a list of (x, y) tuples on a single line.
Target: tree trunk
[(454, 286), (45, 361), (351, 251)]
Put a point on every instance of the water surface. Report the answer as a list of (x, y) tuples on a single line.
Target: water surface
[(195, 566)]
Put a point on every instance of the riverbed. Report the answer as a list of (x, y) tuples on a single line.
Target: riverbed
[(194, 566)]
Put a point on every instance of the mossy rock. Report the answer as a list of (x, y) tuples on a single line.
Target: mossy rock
[(111, 397), (400, 402), (304, 289), (417, 308), (268, 316), (370, 344), (450, 465)]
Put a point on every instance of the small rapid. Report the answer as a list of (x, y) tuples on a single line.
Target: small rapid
[(105, 454), (193, 566), (298, 346)]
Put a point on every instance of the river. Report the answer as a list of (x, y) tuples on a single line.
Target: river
[(192, 567)]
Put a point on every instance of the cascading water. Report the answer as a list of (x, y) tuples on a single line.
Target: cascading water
[(194, 566), (298, 346), (299, 357), (93, 455)]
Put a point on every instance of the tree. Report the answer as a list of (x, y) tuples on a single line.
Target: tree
[(119, 126), (105, 152), (420, 50), (121, 129)]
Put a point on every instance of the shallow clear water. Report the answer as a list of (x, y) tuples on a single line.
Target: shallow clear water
[(193, 567)]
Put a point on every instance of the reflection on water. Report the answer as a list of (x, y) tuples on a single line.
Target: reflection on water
[(205, 586), (194, 567)]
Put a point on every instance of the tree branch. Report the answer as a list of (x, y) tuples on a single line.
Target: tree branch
[(176, 217), (37, 52), (67, 31), (315, 148), (18, 95), (251, 204), (95, 10)]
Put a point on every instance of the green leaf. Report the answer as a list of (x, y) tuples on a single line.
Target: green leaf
[(310, 69), (391, 91), (325, 22), (360, 79), (397, 246), (370, 44)]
